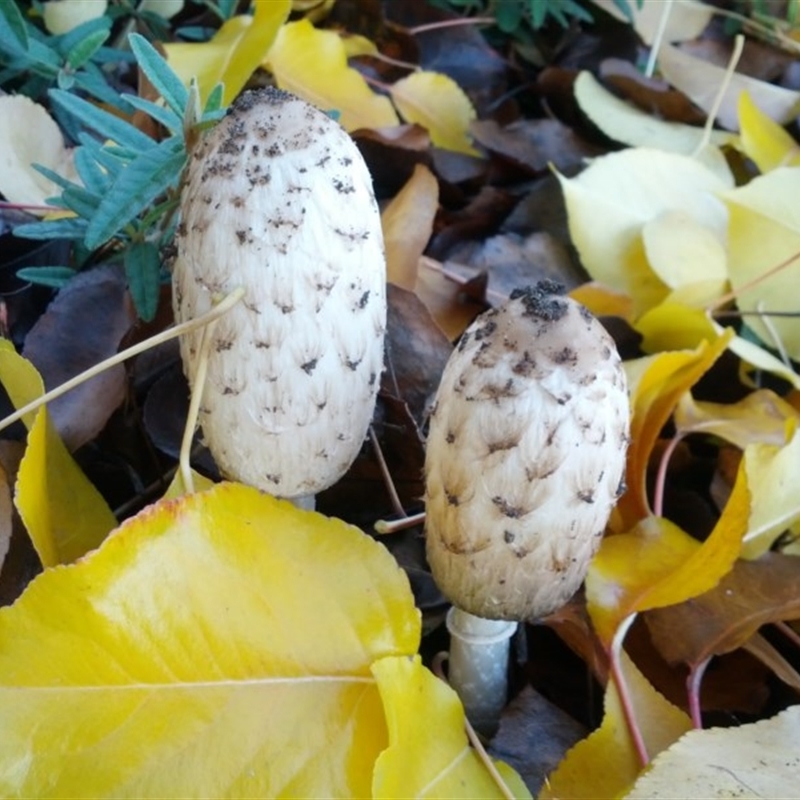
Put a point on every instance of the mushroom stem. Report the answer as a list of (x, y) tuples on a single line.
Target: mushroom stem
[(478, 666)]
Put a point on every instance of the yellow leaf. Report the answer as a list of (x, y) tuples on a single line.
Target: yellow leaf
[(682, 251), (313, 64), (686, 21), (774, 477), (656, 384), (700, 80), (760, 418), (602, 301), (764, 233), (763, 140), (438, 103), (177, 487), (657, 564), (64, 514), (673, 326), (61, 16), (626, 190), (233, 53), (218, 645), (407, 225), (426, 729), (626, 123), (605, 764)]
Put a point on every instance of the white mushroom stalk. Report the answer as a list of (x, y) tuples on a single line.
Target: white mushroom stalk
[(525, 461), (278, 200)]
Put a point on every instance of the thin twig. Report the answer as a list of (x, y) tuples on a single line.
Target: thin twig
[(185, 327), (387, 526), (666, 10), (386, 475)]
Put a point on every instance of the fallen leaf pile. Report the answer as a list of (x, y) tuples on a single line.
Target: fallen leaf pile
[(222, 643)]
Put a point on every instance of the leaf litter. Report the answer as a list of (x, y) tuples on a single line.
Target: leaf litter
[(495, 165)]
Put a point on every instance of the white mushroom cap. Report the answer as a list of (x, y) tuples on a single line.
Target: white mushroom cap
[(279, 201), (525, 456)]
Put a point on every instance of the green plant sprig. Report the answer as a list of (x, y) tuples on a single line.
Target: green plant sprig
[(124, 206)]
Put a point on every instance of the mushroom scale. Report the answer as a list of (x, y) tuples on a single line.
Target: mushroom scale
[(278, 200), (525, 456)]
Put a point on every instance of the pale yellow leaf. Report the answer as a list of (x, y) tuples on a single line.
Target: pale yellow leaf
[(30, 136), (626, 190), (759, 760), (164, 8), (763, 140), (312, 64), (700, 80), (764, 233), (438, 103), (61, 16), (687, 19), (628, 124), (774, 477), (407, 225)]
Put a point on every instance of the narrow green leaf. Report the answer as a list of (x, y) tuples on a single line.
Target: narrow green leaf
[(86, 48), (67, 228), (214, 102), (94, 177), (107, 125), (11, 19), (165, 116), (159, 73), (142, 268), (58, 180), (54, 277), (81, 201), (135, 188)]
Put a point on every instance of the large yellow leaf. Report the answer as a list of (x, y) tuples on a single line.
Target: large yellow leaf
[(656, 384), (312, 63), (657, 564), (763, 140), (773, 472), (445, 765), (625, 191), (438, 103), (605, 764), (233, 53), (765, 232), (218, 645), (64, 514), (407, 226)]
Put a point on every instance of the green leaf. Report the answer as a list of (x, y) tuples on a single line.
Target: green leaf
[(135, 188), (67, 228), (158, 72), (214, 102), (83, 202), (54, 277), (86, 48), (107, 125), (94, 177), (11, 20), (164, 116), (142, 267)]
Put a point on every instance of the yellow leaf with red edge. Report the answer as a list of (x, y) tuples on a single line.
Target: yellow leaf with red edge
[(233, 53), (64, 514), (439, 104), (605, 764), (407, 226), (774, 477), (762, 417), (177, 487), (429, 755), (764, 140), (218, 645), (657, 564), (312, 63), (765, 234), (656, 384)]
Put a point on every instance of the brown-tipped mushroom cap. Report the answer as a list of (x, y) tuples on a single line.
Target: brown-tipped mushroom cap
[(525, 456), (279, 201)]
